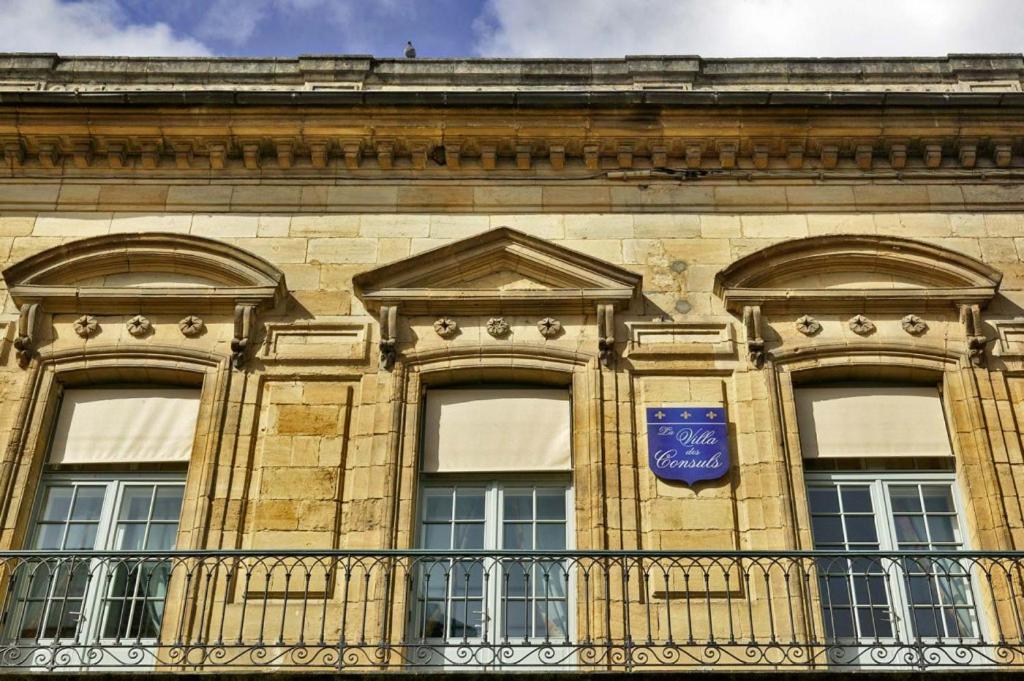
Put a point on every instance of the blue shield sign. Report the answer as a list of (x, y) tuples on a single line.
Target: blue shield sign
[(687, 443)]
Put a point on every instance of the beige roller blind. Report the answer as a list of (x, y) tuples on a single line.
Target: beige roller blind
[(871, 421), (497, 429), (125, 425)]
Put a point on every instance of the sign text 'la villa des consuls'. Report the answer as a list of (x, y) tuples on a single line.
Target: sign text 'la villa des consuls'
[(688, 444)]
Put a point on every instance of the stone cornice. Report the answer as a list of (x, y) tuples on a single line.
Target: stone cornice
[(51, 72), (653, 141)]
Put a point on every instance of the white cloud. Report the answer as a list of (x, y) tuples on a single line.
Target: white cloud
[(766, 28), (86, 27)]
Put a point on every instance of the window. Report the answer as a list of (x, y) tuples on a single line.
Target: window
[(898, 596), (86, 599), (517, 598)]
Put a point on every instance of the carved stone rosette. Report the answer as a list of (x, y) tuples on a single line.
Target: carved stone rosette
[(446, 327), (549, 327), (861, 325), (139, 326), (86, 326), (191, 326), (497, 327), (808, 325), (914, 325)]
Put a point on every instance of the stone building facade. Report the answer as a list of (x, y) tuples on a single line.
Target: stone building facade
[(308, 249)]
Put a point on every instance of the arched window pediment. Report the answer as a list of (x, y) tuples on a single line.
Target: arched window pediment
[(119, 271), (864, 270)]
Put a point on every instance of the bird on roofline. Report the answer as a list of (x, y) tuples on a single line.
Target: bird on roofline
[(410, 51)]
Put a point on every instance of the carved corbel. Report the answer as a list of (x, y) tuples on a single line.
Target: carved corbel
[(693, 155), (81, 153), (606, 334), (524, 156), (218, 155), (759, 156), (318, 151), (245, 323), (14, 153), (659, 156), (453, 156), (385, 155), (898, 156), (829, 156), (388, 335), (489, 156), (556, 155), (183, 155), (149, 154), (251, 155), (25, 342), (285, 153), (49, 154), (1002, 153), (754, 335), (592, 156), (727, 155), (970, 318), (864, 156)]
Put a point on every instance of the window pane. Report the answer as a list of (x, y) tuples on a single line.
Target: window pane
[(167, 505), (550, 537), (905, 498), (88, 503), (162, 537), (437, 504), (517, 536), (49, 536), (130, 536), (58, 503), (861, 529), (823, 499), (515, 619), (518, 505), (827, 529), (942, 528), (856, 499), (80, 536), (910, 530), (467, 579), (135, 502), (550, 504), (469, 505), (437, 536), (937, 498), (469, 536)]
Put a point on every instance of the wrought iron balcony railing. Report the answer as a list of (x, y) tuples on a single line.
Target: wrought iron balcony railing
[(395, 610)]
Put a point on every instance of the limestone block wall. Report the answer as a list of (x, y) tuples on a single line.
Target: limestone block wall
[(304, 451)]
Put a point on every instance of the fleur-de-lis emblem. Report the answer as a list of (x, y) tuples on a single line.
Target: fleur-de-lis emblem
[(659, 415), (711, 415), (686, 415)]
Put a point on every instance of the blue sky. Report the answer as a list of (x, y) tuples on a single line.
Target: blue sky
[(513, 28)]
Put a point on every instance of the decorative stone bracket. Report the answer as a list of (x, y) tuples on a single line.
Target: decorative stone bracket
[(754, 335), (606, 334), (245, 322), (970, 318), (388, 335), (25, 342)]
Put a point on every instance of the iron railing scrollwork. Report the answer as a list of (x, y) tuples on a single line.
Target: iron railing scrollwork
[(382, 610)]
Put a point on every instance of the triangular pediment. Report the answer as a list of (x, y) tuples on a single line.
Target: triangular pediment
[(499, 270)]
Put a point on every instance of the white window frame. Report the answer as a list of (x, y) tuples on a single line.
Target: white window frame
[(91, 631), (878, 482), (494, 487)]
